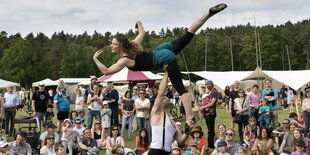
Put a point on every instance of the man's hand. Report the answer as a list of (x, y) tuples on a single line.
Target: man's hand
[(98, 53)]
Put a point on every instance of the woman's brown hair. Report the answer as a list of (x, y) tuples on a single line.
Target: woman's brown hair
[(49, 135), (130, 48)]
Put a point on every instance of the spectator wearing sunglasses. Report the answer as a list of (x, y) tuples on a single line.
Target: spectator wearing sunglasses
[(49, 145), (114, 138), (232, 145)]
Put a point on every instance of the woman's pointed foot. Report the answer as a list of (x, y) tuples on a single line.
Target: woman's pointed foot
[(217, 8)]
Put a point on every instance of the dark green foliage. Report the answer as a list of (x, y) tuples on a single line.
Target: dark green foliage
[(37, 56)]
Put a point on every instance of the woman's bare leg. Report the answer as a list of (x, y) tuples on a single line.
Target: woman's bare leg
[(198, 23)]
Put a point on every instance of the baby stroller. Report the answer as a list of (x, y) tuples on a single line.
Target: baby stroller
[(33, 130)]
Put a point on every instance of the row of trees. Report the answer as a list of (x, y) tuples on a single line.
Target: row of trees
[(36, 57)]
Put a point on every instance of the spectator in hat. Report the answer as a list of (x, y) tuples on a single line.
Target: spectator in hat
[(20, 146), (50, 130), (209, 110), (4, 148), (221, 149), (197, 135), (300, 148), (193, 149), (67, 134), (93, 81), (10, 104)]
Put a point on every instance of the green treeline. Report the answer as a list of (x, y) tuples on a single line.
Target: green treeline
[(36, 57)]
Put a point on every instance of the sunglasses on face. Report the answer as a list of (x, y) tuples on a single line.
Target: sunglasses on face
[(229, 134), (285, 123), (98, 123), (77, 122), (114, 129), (52, 138), (142, 93)]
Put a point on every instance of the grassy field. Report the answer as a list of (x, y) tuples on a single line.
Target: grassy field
[(222, 117)]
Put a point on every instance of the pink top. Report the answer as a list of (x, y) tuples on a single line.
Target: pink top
[(254, 100)]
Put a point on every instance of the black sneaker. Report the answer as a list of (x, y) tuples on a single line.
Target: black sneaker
[(217, 8)]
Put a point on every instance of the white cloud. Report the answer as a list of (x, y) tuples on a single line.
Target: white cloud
[(77, 16)]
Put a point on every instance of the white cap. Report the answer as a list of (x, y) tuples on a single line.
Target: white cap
[(67, 120), (41, 84), (3, 143), (204, 95), (105, 102), (93, 77)]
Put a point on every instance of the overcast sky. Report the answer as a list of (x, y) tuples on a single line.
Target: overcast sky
[(77, 16)]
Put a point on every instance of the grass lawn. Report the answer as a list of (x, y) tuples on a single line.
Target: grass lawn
[(222, 117)]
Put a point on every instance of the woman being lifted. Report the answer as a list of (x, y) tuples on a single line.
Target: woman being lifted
[(132, 56)]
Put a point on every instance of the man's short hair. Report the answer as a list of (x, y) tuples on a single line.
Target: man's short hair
[(231, 129), (23, 134), (58, 146)]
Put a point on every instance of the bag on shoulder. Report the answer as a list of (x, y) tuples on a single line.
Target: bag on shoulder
[(237, 118)]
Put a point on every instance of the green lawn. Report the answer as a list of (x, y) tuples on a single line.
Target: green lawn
[(222, 117)]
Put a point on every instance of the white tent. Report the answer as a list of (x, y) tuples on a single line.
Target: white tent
[(5, 83), (47, 82), (222, 79), (294, 79), (186, 83)]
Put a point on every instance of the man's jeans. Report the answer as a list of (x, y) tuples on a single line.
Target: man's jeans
[(91, 115), (124, 120)]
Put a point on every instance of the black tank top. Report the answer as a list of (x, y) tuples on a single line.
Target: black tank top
[(97, 136), (143, 61)]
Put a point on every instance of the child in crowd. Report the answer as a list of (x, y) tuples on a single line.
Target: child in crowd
[(106, 114), (67, 134), (221, 137), (264, 115), (49, 115), (60, 149), (142, 142), (193, 149), (300, 148), (61, 84), (73, 115), (249, 136), (221, 149), (81, 116)]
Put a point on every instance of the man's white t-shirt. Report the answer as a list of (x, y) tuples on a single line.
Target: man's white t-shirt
[(94, 105), (138, 101)]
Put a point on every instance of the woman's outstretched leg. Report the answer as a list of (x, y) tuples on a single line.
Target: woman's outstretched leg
[(183, 41), (176, 80), (198, 23)]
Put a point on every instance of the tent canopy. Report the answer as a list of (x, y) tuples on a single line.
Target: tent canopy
[(222, 79), (47, 82), (294, 79), (5, 83), (127, 75)]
